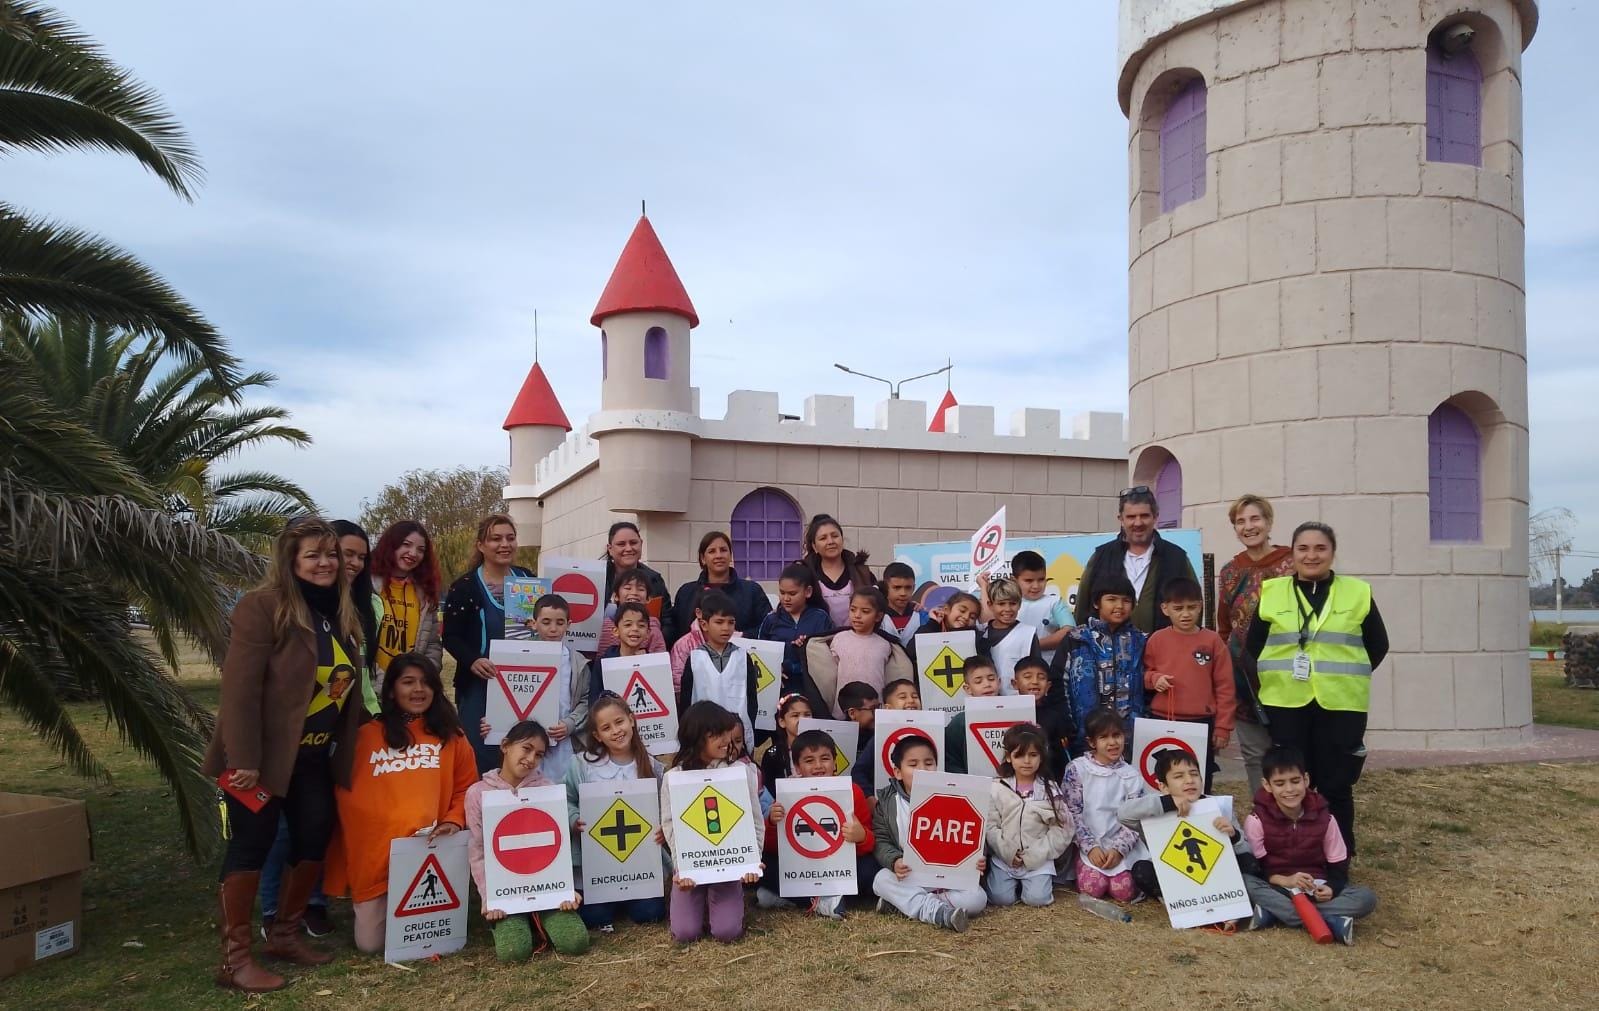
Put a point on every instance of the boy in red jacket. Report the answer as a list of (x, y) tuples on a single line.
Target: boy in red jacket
[(812, 755), (1190, 671)]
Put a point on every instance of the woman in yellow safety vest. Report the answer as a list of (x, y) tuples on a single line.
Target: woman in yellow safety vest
[(1317, 636)]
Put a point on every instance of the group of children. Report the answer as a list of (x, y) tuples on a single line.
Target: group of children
[(1064, 809)]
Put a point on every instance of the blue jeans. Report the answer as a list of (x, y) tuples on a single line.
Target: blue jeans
[(272, 874), (602, 914), (472, 702)]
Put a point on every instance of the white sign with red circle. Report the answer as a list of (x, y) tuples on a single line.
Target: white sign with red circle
[(894, 725), (988, 546), (527, 851), (581, 583), (1151, 737), (813, 857), (948, 818)]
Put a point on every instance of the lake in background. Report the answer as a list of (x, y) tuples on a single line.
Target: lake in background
[(1571, 615)]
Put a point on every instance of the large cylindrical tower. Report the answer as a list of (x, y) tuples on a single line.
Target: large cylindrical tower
[(1327, 307)]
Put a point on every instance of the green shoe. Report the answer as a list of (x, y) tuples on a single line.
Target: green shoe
[(566, 931), (513, 939)]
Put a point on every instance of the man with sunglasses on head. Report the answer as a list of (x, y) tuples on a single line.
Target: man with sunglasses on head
[(1149, 561)]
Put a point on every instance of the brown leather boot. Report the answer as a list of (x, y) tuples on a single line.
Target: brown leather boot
[(284, 939), (239, 971)]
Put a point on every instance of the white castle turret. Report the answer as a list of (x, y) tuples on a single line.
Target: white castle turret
[(1327, 308)]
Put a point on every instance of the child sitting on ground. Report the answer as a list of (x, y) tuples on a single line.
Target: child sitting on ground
[(1097, 784), (799, 615), (1104, 664), (631, 587), (1028, 824), (982, 682), (1177, 771), (1296, 840), (518, 935), (948, 908), (813, 756), (1190, 671)]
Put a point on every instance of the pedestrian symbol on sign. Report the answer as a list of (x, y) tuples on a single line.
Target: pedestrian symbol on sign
[(429, 892), (763, 674), (642, 699)]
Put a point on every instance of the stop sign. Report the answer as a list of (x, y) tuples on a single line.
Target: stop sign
[(946, 830)]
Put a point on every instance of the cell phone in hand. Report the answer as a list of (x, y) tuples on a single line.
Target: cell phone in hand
[(255, 798)]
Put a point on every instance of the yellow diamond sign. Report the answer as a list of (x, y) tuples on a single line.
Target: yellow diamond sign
[(763, 674), (712, 815), (947, 672), (1191, 852), (620, 830), (840, 761)]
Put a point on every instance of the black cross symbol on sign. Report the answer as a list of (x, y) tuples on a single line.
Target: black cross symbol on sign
[(948, 672), (620, 829)]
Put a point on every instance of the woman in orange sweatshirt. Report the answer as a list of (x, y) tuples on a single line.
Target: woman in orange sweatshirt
[(407, 772)]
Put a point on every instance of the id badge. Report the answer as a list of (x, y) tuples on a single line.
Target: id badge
[(1301, 666)]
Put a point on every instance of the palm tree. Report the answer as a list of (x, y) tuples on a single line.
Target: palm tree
[(58, 91)]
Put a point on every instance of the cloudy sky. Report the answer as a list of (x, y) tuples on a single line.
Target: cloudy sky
[(393, 188)]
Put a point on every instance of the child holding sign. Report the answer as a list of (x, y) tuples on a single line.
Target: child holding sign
[(521, 750), (1293, 834), (1190, 671), (1097, 784), (706, 737), (615, 752), (632, 637), (1029, 827), (1181, 786), (950, 909), (407, 771), (813, 756), (551, 615)]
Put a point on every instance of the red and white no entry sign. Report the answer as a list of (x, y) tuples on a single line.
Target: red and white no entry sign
[(815, 826), (580, 593), (527, 840)]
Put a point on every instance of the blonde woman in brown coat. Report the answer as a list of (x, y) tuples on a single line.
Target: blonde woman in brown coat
[(289, 694)]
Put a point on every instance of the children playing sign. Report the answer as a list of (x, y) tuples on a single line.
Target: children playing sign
[(523, 687), (846, 737), (941, 667), (527, 854), (645, 684), (987, 719), (813, 857), (713, 824), (944, 837), (1200, 881), (768, 659), (621, 859), (427, 897)]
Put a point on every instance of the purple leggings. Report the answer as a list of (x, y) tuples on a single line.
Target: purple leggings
[(1096, 883), (722, 903)]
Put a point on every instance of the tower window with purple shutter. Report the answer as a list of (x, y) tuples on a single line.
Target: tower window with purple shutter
[(1169, 495), (1182, 147), (605, 355), (1454, 475), (1454, 107), (765, 527), (657, 353)]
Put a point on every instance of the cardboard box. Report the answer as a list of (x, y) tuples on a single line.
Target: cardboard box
[(46, 845)]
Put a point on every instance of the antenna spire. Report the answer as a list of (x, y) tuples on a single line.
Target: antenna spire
[(643, 209)]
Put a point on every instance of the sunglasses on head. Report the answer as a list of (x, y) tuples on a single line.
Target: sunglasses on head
[(1137, 489)]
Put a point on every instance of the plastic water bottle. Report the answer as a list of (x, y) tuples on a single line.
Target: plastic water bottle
[(1104, 910)]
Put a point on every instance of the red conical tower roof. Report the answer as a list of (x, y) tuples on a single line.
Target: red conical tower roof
[(943, 406), (536, 404), (644, 280)]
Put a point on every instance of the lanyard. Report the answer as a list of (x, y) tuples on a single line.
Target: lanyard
[(1305, 615)]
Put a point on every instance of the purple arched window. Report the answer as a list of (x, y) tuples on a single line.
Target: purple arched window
[(657, 354), (1454, 475), (1169, 494), (605, 355), (766, 527), (1182, 147), (1454, 107)]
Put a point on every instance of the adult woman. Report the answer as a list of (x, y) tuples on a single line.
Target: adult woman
[(474, 616), (624, 552), (717, 572), (1238, 593), (1317, 637), (288, 699), (355, 547), (405, 577), (839, 572)]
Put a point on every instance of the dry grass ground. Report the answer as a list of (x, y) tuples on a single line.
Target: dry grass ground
[(1487, 877)]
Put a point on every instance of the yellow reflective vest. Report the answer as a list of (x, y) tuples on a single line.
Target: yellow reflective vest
[(1340, 669)]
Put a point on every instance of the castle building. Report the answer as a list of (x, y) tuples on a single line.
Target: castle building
[(1326, 307)]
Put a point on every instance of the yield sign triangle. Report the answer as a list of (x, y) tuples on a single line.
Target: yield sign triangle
[(642, 699), (430, 891), (520, 687), (989, 735)]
